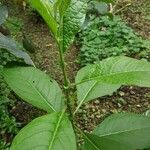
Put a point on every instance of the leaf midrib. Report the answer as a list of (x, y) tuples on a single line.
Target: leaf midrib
[(109, 75), (42, 96), (120, 132), (56, 129), (91, 142), (86, 95)]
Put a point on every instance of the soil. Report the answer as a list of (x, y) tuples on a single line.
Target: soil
[(137, 15), (131, 99)]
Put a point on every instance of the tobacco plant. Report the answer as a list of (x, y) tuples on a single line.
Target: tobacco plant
[(57, 130)]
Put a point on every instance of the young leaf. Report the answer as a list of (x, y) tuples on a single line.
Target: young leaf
[(3, 14), (50, 132), (62, 6), (72, 12), (45, 9), (121, 132), (11, 46), (35, 87), (73, 20), (106, 77)]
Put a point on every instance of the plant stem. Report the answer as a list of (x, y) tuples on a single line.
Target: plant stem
[(66, 80), (63, 67), (67, 86)]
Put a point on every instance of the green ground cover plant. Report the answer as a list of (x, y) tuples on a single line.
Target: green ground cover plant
[(14, 25), (57, 130), (8, 124), (104, 37)]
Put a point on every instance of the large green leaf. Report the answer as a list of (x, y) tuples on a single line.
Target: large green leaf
[(46, 10), (93, 142), (50, 132), (107, 76), (3, 14), (72, 21), (13, 47), (35, 87), (124, 131)]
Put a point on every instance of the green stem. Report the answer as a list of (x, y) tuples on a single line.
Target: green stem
[(67, 87), (63, 67), (66, 80)]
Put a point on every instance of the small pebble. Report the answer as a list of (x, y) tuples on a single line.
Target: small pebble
[(138, 106)]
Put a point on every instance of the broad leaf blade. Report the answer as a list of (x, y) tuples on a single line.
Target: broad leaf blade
[(35, 87), (92, 89), (3, 14), (72, 21), (120, 70), (123, 131), (109, 75), (93, 142), (50, 132), (12, 47), (46, 10)]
